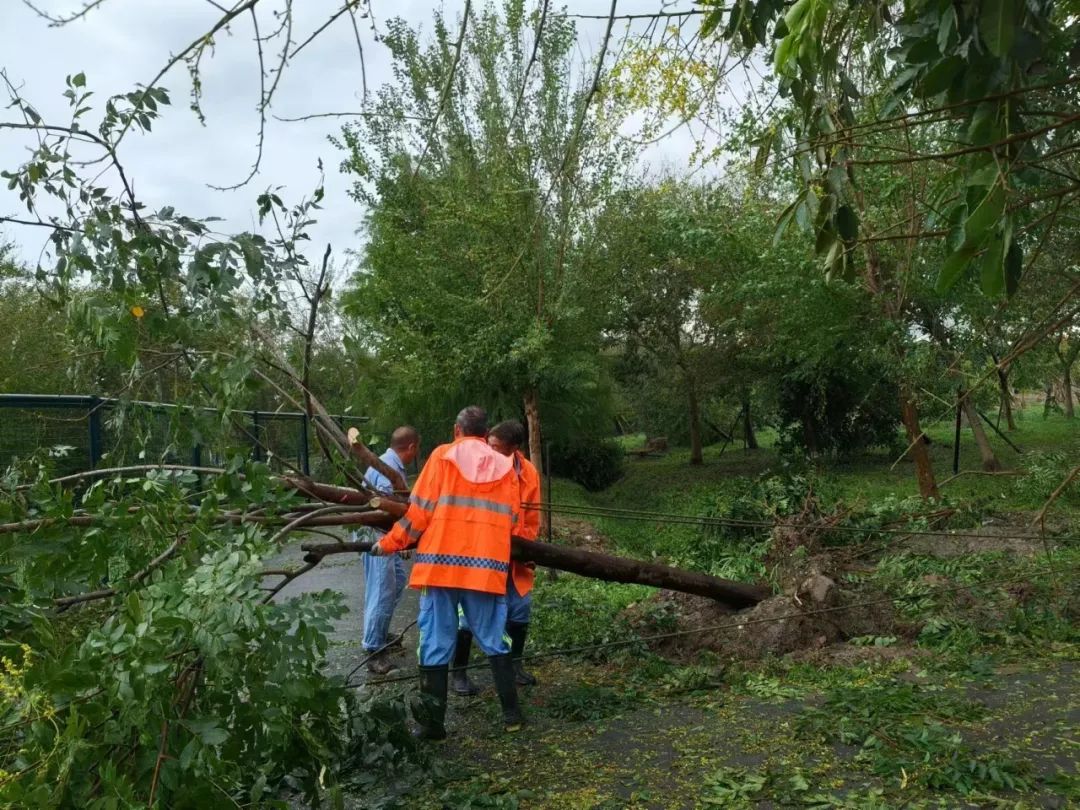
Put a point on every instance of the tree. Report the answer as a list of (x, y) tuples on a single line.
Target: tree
[(1067, 350), (480, 165), (663, 257), (994, 82)]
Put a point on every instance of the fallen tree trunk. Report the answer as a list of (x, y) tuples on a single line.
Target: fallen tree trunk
[(590, 564)]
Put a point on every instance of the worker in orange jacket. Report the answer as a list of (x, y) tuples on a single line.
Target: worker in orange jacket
[(461, 514), (507, 438)]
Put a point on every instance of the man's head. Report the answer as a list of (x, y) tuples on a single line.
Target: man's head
[(506, 437), (405, 441), (472, 421)]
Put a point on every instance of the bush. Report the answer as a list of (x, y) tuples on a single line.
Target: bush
[(839, 408), (595, 464), (767, 499)]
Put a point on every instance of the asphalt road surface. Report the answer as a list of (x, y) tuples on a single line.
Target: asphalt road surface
[(344, 574)]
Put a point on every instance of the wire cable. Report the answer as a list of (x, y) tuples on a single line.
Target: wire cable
[(706, 520), (738, 625)]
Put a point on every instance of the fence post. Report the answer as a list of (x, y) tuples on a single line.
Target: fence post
[(305, 463), (256, 445), (94, 419)]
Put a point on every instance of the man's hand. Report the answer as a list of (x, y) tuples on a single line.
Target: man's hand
[(376, 550), (352, 435)]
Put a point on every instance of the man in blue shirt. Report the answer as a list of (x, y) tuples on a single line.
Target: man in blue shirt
[(384, 576)]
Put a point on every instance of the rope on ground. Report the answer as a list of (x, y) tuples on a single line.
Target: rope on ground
[(703, 520), (736, 625)]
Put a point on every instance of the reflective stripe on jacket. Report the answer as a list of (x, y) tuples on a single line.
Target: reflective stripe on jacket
[(529, 525), (462, 511)]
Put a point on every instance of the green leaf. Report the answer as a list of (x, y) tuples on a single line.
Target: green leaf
[(209, 731), (762, 156), (79, 80), (997, 22), (712, 19), (945, 27), (940, 77), (847, 223), (849, 87), (992, 267), (986, 215), (923, 52), (983, 175), (783, 222), (984, 128), (826, 241), (784, 52), (796, 14), (1014, 268), (953, 268)]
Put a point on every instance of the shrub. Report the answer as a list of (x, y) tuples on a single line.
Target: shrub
[(839, 408), (595, 464)]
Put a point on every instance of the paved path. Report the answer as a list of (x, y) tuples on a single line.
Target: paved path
[(344, 574)]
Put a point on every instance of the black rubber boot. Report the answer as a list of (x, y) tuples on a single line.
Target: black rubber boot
[(459, 676), (502, 670), (517, 633), (430, 709)]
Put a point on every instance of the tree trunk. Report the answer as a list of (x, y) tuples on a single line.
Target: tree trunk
[(536, 456), (809, 429), (694, 408), (1048, 400), (920, 454), (597, 566), (1006, 397), (748, 425), (1066, 384), (986, 451)]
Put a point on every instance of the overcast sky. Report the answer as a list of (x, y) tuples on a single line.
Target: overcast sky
[(125, 42)]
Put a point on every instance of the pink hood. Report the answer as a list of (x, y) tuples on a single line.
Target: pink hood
[(478, 463)]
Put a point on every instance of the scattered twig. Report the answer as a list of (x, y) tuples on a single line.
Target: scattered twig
[(980, 472), (1040, 518)]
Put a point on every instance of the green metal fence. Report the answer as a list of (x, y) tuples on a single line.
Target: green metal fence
[(85, 431)]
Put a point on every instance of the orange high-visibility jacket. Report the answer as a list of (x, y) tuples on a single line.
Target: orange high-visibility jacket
[(462, 511), (529, 524)]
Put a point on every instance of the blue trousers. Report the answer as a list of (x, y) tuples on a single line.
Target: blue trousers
[(518, 607), (483, 613), (384, 583)]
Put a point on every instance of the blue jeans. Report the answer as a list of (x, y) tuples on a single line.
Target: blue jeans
[(483, 613), (384, 583)]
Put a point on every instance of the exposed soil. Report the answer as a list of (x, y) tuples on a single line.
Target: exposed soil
[(579, 534), (816, 615)]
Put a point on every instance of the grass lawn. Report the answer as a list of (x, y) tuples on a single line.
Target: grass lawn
[(670, 484)]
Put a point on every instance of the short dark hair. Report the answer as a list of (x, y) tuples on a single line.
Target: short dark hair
[(472, 421), (511, 431), (403, 436)]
